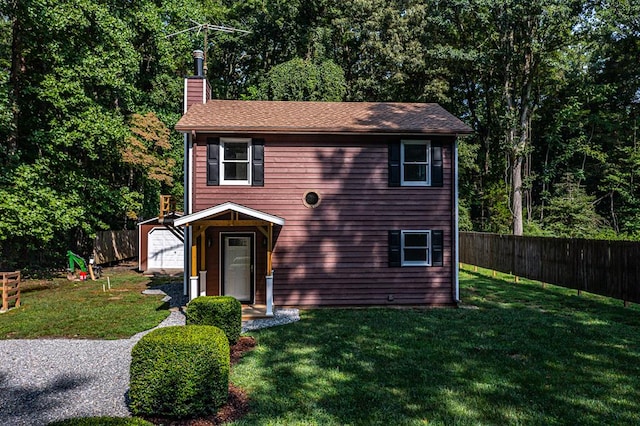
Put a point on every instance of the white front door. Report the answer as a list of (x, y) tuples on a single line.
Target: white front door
[(237, 271)]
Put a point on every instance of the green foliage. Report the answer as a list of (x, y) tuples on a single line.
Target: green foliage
[(180, 372), (102, 421), (498, 218), (464, 216), (549, 86), (224, 312), (303, 80), (146, 151), (571, 212)]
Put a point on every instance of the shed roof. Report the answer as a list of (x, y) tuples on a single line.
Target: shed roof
[(229, 116)]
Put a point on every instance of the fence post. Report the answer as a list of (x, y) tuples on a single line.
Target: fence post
[(5, 292), (17, 305)]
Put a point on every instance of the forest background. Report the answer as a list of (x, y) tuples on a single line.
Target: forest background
[(90, 91)]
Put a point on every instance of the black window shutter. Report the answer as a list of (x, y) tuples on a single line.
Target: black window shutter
[(394, 163), (213, 161), (437, 252), (257, 163), (394, 249), (436, 164)]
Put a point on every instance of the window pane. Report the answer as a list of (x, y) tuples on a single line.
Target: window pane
[(415, 255), (235, 171), (415, 153), (415, 173), (415, 240), (235, 151), (238, 242)]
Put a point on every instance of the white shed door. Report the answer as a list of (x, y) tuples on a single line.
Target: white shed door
[(165, 250)]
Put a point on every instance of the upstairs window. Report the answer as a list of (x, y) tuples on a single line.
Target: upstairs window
[(414, 156), (235, 164), (415, 163), (235, 161)]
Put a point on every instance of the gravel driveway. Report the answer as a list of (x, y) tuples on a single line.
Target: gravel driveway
[(53, 379)]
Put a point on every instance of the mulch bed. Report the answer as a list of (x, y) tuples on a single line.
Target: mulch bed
[(237, 404)]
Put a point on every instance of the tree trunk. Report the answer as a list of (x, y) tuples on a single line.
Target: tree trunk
[(516, 193)]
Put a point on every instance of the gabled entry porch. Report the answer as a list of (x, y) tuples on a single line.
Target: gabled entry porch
[(230, 249)]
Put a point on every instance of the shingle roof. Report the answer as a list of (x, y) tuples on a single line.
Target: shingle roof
[(228, 116)]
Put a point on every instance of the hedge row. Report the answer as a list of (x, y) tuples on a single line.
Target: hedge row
[(224, 312)]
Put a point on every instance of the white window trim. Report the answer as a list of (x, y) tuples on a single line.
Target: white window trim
[(246, 182), (402, 248), (427, 163)]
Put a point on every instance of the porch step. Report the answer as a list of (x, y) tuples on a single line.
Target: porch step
[(250, 312)]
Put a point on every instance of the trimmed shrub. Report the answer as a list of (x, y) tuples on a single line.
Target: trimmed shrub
[(224, 312), (179, 372), (102, 421)]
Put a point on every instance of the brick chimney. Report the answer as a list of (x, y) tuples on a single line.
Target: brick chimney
[(196, 87)]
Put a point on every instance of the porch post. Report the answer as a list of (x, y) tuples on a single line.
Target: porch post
[(269, 312), (193, 281)]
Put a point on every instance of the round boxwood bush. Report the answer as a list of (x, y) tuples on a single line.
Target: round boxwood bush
[(102, 421), (179, 372), (224, 312)]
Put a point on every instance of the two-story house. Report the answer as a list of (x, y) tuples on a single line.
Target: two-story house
[(319, 203)]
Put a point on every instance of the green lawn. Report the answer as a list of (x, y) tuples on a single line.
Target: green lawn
[(516, 354), (61, 308)]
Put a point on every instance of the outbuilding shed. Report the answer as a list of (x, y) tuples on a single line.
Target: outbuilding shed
[(161, 248)]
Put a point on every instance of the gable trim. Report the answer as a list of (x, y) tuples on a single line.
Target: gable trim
[(220, 208)]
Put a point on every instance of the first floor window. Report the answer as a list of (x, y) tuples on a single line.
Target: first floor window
[(235, 162), (415, 248)]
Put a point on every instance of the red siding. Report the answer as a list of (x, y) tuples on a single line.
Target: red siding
[(143, 234), (336, 254), (193, 91)]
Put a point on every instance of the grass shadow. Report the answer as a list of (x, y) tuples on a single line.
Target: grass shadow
[(527, 355)]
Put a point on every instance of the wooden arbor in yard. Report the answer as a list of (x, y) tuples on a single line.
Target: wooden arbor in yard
[(227, 217)]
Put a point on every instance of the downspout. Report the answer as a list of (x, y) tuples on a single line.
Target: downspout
[(456, 240), (187, 230)]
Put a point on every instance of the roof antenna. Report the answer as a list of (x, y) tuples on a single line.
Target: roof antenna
[(206, 27)]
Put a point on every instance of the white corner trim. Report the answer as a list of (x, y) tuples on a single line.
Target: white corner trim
[(184, 100), (456, 242)]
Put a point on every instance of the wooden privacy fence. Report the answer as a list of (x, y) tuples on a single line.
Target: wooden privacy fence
[(110, 246), (10, 290), (607, 268)]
